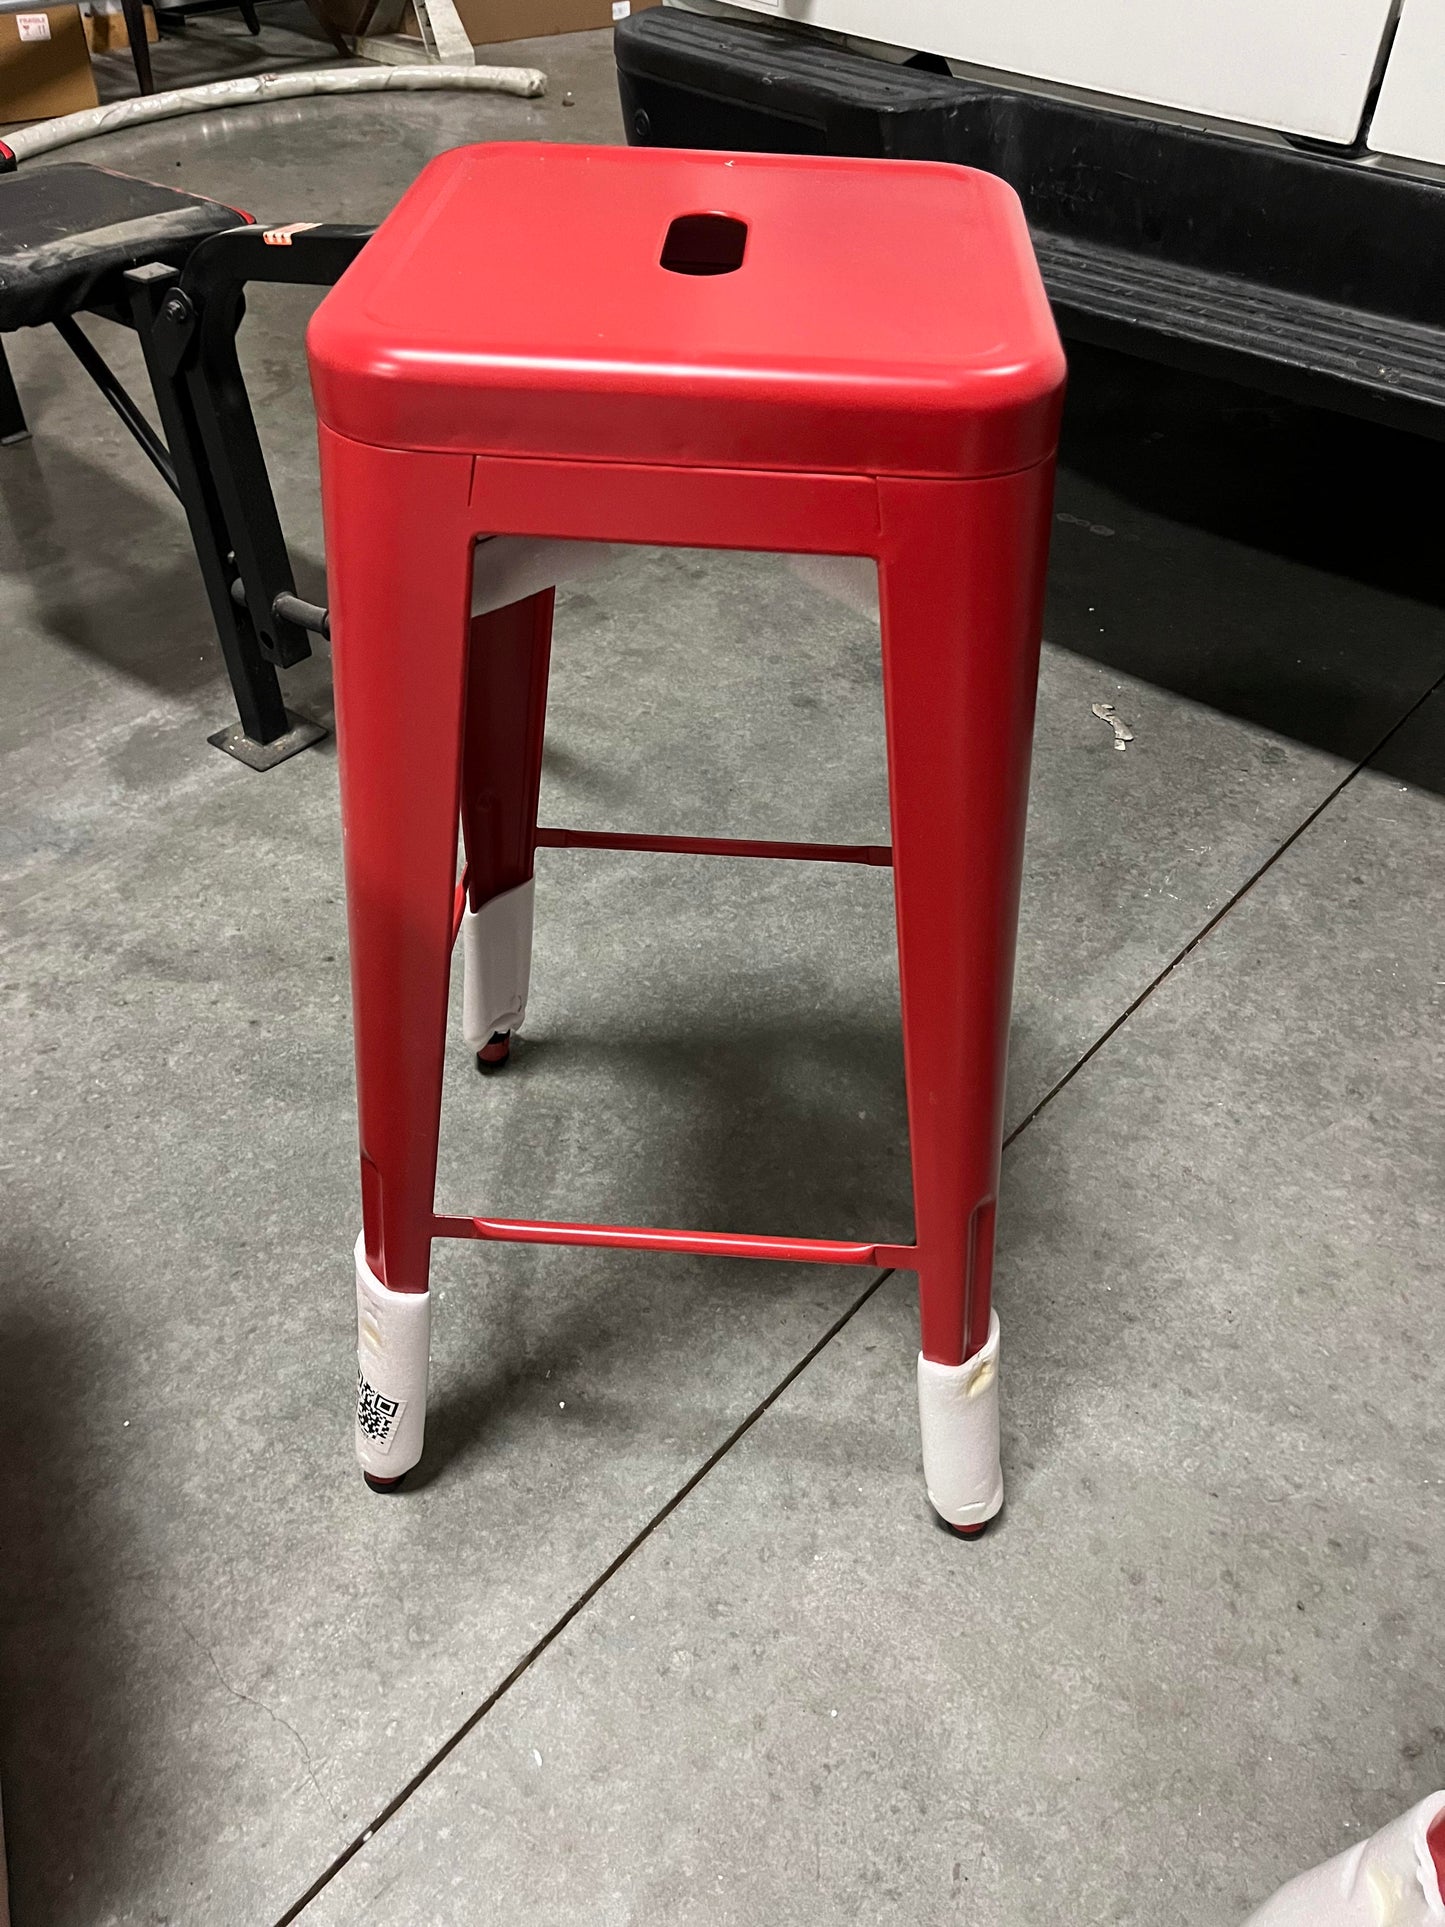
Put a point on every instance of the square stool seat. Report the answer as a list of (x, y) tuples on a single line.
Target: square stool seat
[(675, 308)]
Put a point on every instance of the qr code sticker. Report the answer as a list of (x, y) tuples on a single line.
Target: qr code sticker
[(376, 1416)]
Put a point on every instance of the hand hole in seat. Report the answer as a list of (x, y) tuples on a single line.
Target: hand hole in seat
[(705, 244)]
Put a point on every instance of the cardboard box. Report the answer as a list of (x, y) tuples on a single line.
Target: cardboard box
[(44, 64), (487, 21), (107, 33)]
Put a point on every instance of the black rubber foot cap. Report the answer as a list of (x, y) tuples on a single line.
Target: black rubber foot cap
[(493, 1055), (961, 1532), (382, 1485)]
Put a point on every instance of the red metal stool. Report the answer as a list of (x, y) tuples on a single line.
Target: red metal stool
[(837, 357)]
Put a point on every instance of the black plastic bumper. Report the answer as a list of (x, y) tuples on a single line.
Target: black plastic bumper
[(1317, 276)]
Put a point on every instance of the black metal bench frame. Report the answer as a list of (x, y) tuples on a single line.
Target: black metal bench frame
[(209, 453)]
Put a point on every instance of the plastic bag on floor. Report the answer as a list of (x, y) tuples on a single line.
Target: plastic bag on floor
[(1394, 1879)]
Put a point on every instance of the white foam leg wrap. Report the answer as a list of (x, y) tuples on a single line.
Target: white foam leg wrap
[(958, 1415), (849, 579), (393, 1342), (496, 963), (507, 568), (1387, 1881)]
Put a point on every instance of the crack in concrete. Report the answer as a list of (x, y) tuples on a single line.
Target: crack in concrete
[(250, 1699)]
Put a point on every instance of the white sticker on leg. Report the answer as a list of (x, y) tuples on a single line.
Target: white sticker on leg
[(393, 1341), (958, 1416), (497, 964), (377, 1416)]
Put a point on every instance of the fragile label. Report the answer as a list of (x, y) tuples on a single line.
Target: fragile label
[(33, 26)]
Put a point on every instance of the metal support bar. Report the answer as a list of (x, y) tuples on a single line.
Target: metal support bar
[(109, 384), (291, 608), (13, 427), (199, 322), (264, 719), (140, 52), (877, 855), (188, 329), (228, 434), (306, 615), (698, 1244)]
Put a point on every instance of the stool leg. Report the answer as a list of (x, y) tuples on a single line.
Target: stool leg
[(501, 777), (961, 589), (399, 561)]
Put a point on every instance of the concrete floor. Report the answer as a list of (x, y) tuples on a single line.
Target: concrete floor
[(664, 1632)]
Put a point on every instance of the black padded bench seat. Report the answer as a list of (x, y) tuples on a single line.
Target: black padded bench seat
[(67, 232)]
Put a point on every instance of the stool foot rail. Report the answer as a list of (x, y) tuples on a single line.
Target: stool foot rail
[(698, 1244), (877, 855)]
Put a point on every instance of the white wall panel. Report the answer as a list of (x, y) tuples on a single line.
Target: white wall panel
[(1301, 66), (1410, 117)]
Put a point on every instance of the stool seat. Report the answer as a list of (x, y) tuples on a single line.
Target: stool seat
[(887, 320)]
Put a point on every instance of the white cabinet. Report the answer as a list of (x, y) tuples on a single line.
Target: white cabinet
[(1410, 115), (1301, 66)]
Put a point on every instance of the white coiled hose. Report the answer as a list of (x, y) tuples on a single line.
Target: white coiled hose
[(256, 89)]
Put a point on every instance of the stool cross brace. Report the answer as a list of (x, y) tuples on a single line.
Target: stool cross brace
[(698, 1244)]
